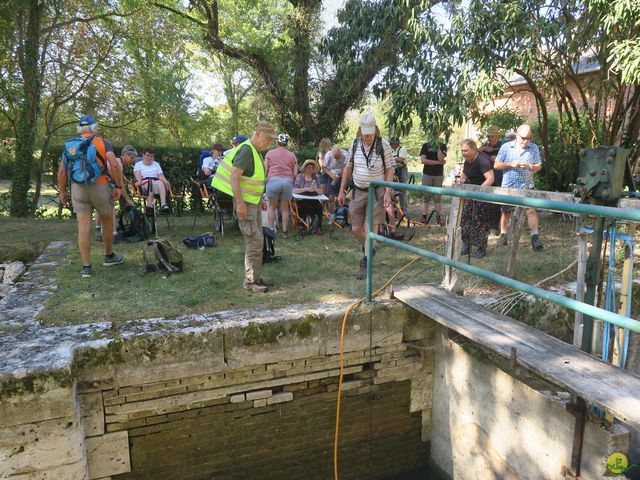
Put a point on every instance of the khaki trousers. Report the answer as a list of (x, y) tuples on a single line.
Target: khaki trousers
[(251, 229)]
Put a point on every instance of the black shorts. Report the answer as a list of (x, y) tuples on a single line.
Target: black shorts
[(507, 208)]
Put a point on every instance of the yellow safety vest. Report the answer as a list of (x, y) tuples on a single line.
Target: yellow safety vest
[(252, 188)]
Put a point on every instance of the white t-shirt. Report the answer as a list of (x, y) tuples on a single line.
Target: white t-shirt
[(365, 172), (148, 171), (211, 163)]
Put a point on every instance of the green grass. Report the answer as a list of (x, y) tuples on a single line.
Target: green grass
[(311, 270)]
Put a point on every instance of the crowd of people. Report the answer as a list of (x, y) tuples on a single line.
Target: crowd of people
[(271, 182)]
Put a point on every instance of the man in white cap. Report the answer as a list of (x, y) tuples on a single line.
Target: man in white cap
[(242, 175), (371, 158)]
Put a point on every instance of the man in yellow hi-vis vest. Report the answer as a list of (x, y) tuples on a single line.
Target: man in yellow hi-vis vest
[(241, 174)]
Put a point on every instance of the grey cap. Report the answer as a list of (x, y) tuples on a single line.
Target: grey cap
[(129, 149)]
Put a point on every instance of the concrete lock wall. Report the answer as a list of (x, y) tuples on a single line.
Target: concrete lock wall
[(253, 395), (487, 424)]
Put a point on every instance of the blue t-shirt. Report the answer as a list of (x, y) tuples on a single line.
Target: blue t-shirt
[(518, 177)]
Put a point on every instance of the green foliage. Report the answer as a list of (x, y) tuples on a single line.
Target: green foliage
[(504, 118), (566, 140)]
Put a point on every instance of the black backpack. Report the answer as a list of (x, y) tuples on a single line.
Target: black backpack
[(132, 225), (200, 241), (341, 215), (269, 245), (168, 258)]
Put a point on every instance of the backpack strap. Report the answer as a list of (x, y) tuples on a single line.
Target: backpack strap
[(170, 268)]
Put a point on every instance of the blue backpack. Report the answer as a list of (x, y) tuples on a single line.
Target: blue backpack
[(80, 158)]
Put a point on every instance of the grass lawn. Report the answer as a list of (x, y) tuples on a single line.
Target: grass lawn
[(311, 270)]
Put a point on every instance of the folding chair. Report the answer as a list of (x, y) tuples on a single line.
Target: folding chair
[(210, 196)]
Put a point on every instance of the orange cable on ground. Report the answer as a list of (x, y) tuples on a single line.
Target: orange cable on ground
[(354, 305)]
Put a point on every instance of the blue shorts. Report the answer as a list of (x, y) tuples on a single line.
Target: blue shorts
[(322, 178), (280, 188)]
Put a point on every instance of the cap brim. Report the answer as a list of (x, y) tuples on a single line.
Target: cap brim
[(368, 130)]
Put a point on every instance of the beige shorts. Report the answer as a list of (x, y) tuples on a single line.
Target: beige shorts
[(358, 207), (87, 197), (432, 181)]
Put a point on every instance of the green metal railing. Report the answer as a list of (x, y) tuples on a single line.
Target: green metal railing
[(559, 206)]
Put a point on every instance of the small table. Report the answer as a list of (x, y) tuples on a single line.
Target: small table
[(300, 196)]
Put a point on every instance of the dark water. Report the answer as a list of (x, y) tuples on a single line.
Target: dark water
[(430, 472)]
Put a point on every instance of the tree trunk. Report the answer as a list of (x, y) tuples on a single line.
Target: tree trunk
[(28, 112)]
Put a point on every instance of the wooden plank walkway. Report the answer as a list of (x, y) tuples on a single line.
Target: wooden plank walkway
[(600, 383)]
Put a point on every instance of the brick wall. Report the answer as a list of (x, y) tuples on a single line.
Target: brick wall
[(247, 404)]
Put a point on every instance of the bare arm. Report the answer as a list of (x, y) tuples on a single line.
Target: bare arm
[(62, 184), (346, 177), (115, 168), (488, 179), (241, 206)]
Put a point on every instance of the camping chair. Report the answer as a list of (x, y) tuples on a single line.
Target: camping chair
[(151, 213)]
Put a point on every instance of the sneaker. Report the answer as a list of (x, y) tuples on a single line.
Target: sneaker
[(465, 249), (164, 208), (255, 287), (86, 272), (362, 270), (502, 241), (536, 244), (285, 235), (113, 259), (479, 253), (264, 282)]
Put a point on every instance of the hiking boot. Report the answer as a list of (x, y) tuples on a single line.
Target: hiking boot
[(113, 259), (465, 249), (536, 244), (502, 241), (479, 253), (255, 287), (264, 282), (362, 270), (86, 272)]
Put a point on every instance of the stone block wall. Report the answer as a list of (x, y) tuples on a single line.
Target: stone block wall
[(256, 398)]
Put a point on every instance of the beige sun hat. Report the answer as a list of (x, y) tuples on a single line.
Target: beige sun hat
[(493, 130), (316, 167)]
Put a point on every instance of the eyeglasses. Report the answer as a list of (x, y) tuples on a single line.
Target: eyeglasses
[(524, 138)]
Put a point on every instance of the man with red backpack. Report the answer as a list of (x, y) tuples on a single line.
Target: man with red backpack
[(95, 177)]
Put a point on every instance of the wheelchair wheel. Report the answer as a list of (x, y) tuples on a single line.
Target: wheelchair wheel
[(218, 219)]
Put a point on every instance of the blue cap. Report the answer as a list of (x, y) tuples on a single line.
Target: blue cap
[(86, 120), (239, 139)]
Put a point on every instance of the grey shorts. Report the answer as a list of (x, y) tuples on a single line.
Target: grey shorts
[(87, 197), (280, 188), (432, 181)]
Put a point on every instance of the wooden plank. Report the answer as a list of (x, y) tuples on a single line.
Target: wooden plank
[(598, 382), (454, 240)]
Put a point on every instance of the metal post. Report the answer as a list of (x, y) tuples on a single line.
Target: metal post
[(592, 277), (368, 249)]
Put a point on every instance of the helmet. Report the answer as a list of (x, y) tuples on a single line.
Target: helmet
[(283, 138)]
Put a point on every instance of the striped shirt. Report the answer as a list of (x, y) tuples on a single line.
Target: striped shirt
[(518, 177), (364, 172)]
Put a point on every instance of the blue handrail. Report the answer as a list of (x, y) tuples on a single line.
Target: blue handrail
[(585, 209)]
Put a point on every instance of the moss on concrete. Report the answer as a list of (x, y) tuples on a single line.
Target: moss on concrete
[(35, 384), (98, 357)]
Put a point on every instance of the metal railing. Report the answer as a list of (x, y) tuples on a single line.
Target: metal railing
[(555, 205)]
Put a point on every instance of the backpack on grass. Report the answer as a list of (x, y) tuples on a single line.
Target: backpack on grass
[(82, 160), (269, 245), (167, 257), (132, 225), (200, 241), (341, 215)]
